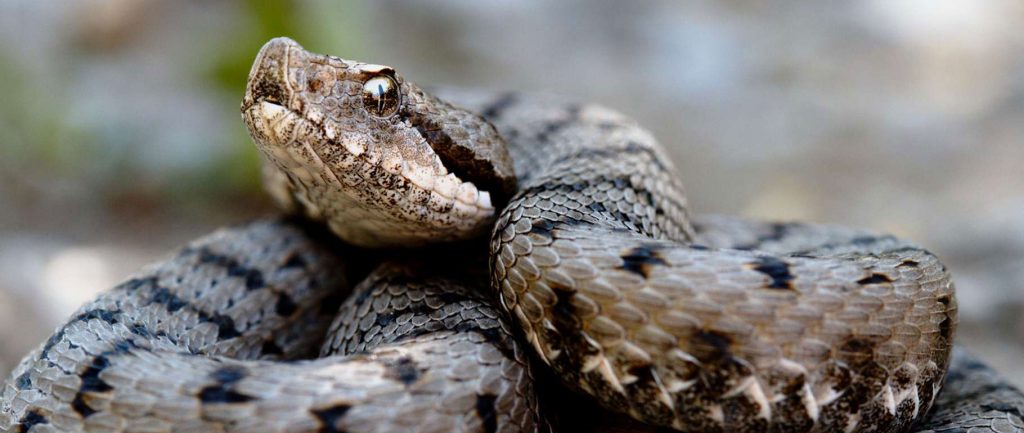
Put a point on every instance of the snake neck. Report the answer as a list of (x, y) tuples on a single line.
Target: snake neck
[(604, 169)]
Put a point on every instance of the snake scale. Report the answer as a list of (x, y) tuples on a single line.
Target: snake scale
[(554, 242)]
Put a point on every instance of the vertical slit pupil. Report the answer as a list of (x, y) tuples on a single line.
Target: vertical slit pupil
[(380, 96)]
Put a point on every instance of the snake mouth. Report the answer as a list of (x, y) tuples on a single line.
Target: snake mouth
[(441, 167), (275, 130), (377, 180), (366, 190), (460, 159)]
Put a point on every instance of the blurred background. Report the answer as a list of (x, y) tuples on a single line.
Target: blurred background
[(120, 135)]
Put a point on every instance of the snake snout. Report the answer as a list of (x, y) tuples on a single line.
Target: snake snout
[(268, 76)]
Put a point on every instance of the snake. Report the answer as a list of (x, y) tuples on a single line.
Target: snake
[(471, 261)]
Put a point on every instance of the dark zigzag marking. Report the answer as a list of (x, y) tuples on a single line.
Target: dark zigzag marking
[(330, 416), (173, 303), (221, 392), (170, 301), (253, 277), (31, 419), (90, 376), (486, 411), (104, 315), (24, 381), (404, 370), (874, 279), (642, 258), (225, 325), (775, 269)]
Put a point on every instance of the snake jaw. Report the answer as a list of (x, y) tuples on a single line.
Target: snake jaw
[(270, 120), (376, 168), (279, 134), (276, 129)]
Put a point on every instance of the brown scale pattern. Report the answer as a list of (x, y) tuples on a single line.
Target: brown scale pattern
[(700, 324), (400, 179), (596, 259)]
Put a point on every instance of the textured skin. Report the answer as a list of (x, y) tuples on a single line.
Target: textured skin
[(711, 324), (974, 399), (595, 257), (212, 340), (831, 330), (385, 188), (469, 372), (35, 397)]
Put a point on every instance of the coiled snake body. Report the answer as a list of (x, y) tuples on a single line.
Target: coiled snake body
[(696, 324)]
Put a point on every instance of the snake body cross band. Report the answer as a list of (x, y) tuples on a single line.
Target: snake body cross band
[(550, 238)]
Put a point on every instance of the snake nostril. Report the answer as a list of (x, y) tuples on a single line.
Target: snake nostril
[(268, 74), (269, 92)]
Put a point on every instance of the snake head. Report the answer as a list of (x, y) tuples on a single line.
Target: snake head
[(377, 158)]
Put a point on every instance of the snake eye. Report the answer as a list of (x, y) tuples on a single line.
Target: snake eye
[(380, 96)]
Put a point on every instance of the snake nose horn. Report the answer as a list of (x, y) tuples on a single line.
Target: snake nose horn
[(268, 76)]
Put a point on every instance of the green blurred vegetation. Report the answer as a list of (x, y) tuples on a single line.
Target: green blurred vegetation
[(322, 26), (43, 142)]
